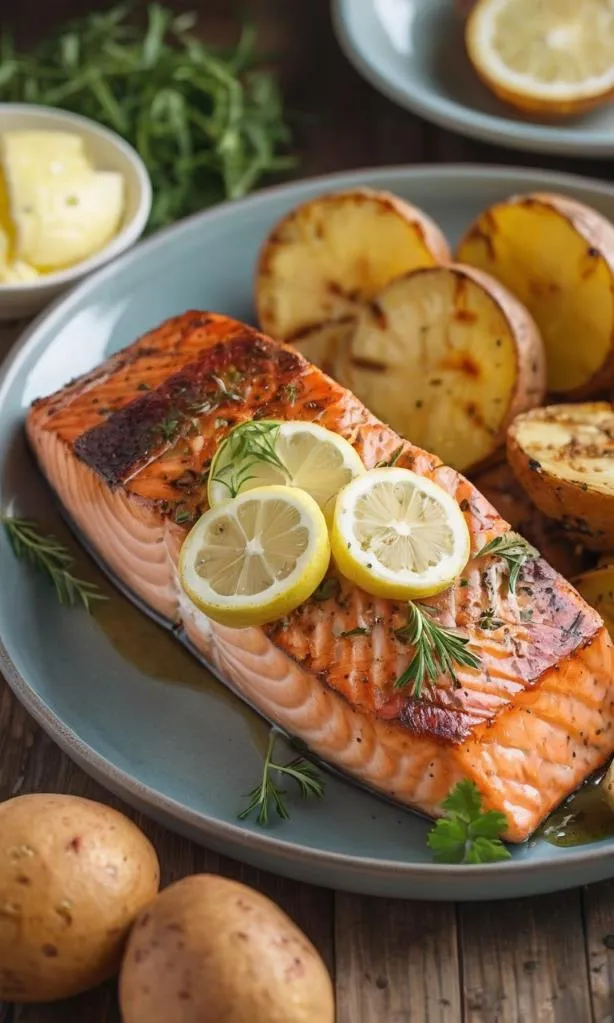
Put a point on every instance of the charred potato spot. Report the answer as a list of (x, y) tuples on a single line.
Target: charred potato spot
[(447, 358), (557, 257), (563, 456)]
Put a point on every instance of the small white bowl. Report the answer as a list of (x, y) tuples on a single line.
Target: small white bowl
[(107, 151)]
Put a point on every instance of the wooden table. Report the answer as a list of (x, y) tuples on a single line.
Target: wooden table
[(540, 960)]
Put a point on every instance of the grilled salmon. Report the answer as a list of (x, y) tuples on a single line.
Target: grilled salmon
[(127, 449)]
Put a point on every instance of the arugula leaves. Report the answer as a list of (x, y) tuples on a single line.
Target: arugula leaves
[(207, 123), (467, 834)]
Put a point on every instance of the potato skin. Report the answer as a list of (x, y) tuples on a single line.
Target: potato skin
[(210, 950), (73, 876), (585, 513)]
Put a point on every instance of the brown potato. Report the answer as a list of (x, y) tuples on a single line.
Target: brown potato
[(73, 876), (447, 357), (502, 489), (334, 252), (211, 950), (563, 456), (557, 256)]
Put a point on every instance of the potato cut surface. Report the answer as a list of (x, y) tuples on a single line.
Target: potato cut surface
[(557, 257), (447, 357), (329, 254)]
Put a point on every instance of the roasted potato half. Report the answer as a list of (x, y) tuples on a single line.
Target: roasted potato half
[(499, 486), (332, 253), (563, 456), (557, 256), (448, 357)]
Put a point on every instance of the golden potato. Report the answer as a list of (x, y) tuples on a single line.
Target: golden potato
[(447, 357), (563, 455), (327, 256), (211, 950), (557, 256), (73, 876), (597, 588), (502, 489)]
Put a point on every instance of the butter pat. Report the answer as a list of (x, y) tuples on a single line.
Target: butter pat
[(61, 209)]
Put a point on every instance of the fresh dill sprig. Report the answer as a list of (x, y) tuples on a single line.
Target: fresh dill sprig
[(514, 550), (249, 445), (436, 650), (49, 555), (267, 792)]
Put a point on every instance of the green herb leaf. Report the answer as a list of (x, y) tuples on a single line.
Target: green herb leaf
[(467, 834), (208, 123), (436, 650), (328, 588), (358, 631), (514, 550), (249, 445), (388, 462), (488, 620), (48, 555), (267, 792)]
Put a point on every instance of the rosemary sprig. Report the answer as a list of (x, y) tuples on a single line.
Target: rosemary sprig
[(514, 550), (267, 792), (49, 555), (244, 449), (437, 650)]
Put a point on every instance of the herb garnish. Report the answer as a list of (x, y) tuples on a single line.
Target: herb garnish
[(267, 792), (329, 587), (248, 445), (208, 123), (387, 462), (467, 834), (487, 620), (358, 631), (514, 550), (437, 650), (50, 556)]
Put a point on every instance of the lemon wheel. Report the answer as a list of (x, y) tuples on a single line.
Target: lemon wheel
[(254, 559), (398, 535), (293, 453)]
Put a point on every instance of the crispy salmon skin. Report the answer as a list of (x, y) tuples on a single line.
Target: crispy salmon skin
[(127, 449)]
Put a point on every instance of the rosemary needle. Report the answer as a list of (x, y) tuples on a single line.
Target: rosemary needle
[(49, 555), (514, 550)]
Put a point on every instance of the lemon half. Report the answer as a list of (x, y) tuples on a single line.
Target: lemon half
[(398, 535), (254, 559), (294, 453), (552, 58)]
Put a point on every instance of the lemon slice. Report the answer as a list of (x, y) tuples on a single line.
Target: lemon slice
[(254, 559), (552, 58), (295, 454), (398, 535)]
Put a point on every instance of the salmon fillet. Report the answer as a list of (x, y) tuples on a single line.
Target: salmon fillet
[(127, 449)]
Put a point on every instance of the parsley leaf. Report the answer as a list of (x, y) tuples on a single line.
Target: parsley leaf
[(467, 834)]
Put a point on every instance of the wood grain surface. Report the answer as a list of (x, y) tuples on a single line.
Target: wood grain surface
[(541, 960)]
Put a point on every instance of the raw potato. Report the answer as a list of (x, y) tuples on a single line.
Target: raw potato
[(557, 256), (447, 357), (502, 489), (327, 345), (73, 876), (211, 950), (329, 255), (563, 456)]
